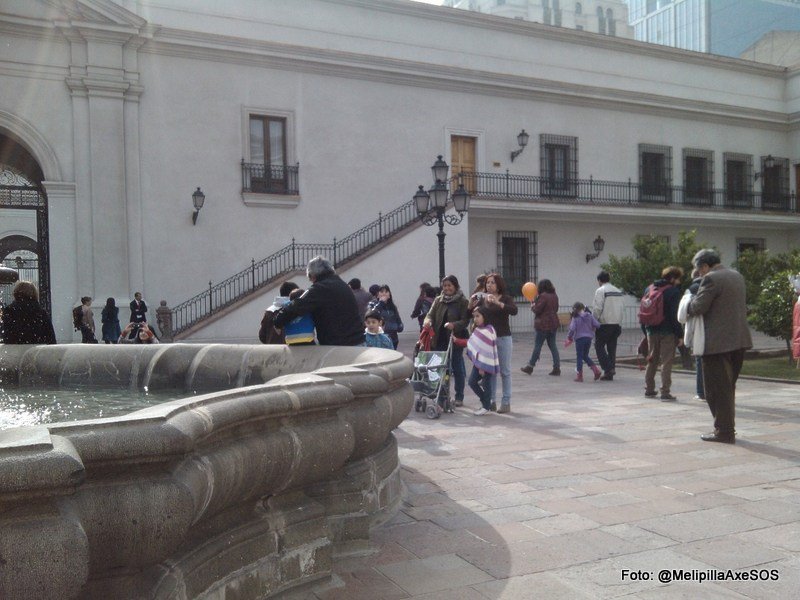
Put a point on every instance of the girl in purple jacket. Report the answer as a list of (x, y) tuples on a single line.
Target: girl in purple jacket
[(581, 331)]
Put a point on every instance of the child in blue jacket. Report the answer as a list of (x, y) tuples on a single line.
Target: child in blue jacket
[(373, 334)]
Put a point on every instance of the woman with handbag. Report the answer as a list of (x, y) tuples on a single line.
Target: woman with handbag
[(448, 317)]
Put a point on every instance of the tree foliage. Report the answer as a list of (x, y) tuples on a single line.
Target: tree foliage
[(651, 254), (771, 313), (757, 266)]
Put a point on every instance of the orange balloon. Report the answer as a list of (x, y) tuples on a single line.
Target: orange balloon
[(530, 291)]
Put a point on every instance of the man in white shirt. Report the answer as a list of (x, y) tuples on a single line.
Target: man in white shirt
[(607, 308)]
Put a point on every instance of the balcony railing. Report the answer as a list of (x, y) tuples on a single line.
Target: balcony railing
[(619, 193), (259, 178)]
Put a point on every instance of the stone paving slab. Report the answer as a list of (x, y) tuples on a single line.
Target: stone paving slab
[(580, 482)]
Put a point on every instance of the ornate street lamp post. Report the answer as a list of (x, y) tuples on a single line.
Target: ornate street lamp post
[(432, 205)]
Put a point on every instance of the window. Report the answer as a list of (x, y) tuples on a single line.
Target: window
[(754, 244), (655, 173), (698, 176), (601, 21), (578, 8), (775, 184), (267, 154), (270, 173), (610, 24), (559, 164), (516, 258), (738, 179), (547, 17)]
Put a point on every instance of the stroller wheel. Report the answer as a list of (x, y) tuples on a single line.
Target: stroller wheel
[(418, 405), (433, 411)]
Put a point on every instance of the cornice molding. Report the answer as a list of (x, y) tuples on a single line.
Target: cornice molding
[(586, 38), (623, 214), (263, 54), (101, 88)]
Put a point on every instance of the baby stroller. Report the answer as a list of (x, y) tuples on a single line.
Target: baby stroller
[(431, 377)]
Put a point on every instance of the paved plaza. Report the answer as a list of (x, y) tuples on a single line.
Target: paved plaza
[(590, 491)]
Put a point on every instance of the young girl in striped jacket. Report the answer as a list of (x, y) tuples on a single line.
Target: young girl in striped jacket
[(482, 351)]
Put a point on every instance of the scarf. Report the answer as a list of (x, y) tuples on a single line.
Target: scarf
[(449, 299), (482, 349)]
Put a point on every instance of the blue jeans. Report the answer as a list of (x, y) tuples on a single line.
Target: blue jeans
[(582, 347), (459, 371), (482, 386), (504, 348), (541, 338)]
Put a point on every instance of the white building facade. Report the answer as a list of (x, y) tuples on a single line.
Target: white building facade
[(303, 122)]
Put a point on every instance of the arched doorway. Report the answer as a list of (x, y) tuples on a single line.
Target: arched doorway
[(21, 189)]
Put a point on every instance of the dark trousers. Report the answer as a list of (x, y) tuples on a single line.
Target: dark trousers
[(698, 384), (720, 372), (87, 335), (605, 345), (459, 371), (482, 386), (394, 338)]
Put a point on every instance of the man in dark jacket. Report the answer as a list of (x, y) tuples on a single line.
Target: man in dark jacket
[(138, 309), (331, 304), (662, 339), (721, 301)]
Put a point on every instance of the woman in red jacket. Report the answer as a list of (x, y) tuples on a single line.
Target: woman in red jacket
[(546, 323)]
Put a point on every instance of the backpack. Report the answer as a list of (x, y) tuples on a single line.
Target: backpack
[(651, 307), (77, 317)]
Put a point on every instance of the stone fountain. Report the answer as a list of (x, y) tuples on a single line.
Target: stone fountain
[(280, 460)]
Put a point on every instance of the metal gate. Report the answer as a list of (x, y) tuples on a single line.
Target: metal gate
[(16, 191)]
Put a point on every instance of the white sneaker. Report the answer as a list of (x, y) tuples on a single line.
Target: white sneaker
[(480, 412)]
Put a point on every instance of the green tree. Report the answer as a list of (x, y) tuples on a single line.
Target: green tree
[(757, 266), (651, 254), (772, 312)]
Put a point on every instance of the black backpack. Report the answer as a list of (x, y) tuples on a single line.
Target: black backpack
[(77, 317)]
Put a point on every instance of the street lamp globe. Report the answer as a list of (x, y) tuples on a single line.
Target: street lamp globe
[(422, 200), (440, 169), (461, 199)]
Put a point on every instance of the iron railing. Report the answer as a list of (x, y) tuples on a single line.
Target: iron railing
[(288, 259), (619, 193), (295, 256), (270, 179)]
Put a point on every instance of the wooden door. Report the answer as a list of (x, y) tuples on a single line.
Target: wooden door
[(462, 159)]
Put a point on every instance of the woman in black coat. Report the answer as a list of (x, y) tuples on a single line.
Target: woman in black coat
[(24, 320)]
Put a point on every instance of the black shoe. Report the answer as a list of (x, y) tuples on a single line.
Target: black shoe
[(527, 369), (493, 407), (652, 394), (668, 397), (556, 371), (719, 437), (458, 403), (607, 377)]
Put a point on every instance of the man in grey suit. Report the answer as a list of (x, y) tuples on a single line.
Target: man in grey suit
[(721, 301)]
